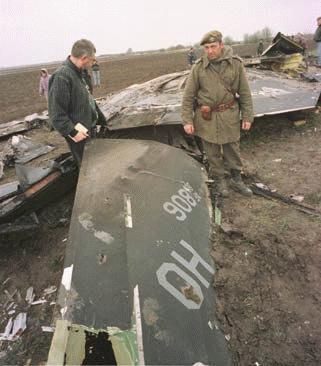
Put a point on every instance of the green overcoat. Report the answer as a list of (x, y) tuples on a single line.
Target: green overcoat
[(212, 83)]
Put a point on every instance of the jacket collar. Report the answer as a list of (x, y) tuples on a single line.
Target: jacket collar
[(70, 64)]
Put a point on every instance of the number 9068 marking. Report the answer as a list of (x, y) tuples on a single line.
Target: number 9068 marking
[(183, 202)]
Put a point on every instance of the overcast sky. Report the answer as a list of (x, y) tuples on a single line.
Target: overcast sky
[(35, 31)]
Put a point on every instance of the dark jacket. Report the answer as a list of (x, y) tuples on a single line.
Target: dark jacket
[(317, 34), (88, 80), (69, 101)]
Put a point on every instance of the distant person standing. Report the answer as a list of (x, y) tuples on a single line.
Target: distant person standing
[(72, 109), (260, 48), (96, 73), (44, 83), (317, 39), (191, 57)]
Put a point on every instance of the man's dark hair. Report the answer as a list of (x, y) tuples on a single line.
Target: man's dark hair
[(83, 47)]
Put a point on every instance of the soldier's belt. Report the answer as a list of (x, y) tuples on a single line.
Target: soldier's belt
[(206, 110)]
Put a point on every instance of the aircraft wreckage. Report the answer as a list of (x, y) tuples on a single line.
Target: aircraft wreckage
[(148, 111), (136, 287)]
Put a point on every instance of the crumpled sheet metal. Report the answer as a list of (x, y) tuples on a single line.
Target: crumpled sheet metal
[(29, 122), (273, 94), (12, 127), (26, 150), (8, 189), (154, 102), (312, 76), (282, 45), (158, 101), (28, 175), (52, 182)]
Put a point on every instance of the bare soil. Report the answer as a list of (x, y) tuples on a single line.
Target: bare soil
[(268, 269), (267, 277)]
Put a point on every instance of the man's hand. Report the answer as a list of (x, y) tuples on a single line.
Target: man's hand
[(246, 125), (80, 136), (189, 129)]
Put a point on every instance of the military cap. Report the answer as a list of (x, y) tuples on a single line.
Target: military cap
[(212, 36)]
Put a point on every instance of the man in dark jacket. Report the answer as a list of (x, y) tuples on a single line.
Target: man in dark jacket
[(317, 39), (72, 109)]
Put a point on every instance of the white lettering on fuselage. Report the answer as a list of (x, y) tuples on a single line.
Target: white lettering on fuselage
[(182, 203), (195, 296)]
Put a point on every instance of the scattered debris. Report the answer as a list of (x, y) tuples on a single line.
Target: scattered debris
[(6, 155), (48, 329), (284, 55), (39, 302), (7, 331), (19, 325), (49, 290), (38, 194), (5, 281), (10, 128), (311, 77), (250, 61), (229, 230), (262, 190), (25, 150), (38, 120), (30, 295), (298, 198), (23, 228), (264, 187), (29, 122), (10, 296), (300, 123), (8, 190), (14, 328)]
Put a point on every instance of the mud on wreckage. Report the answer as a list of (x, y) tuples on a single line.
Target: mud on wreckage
[(115, 306)]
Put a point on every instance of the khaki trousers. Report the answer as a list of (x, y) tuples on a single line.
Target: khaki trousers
[(221, 157)]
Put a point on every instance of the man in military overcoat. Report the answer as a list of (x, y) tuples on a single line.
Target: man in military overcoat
[(216, 97)]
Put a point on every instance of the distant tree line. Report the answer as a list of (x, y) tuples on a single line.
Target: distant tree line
[(265, 34)]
